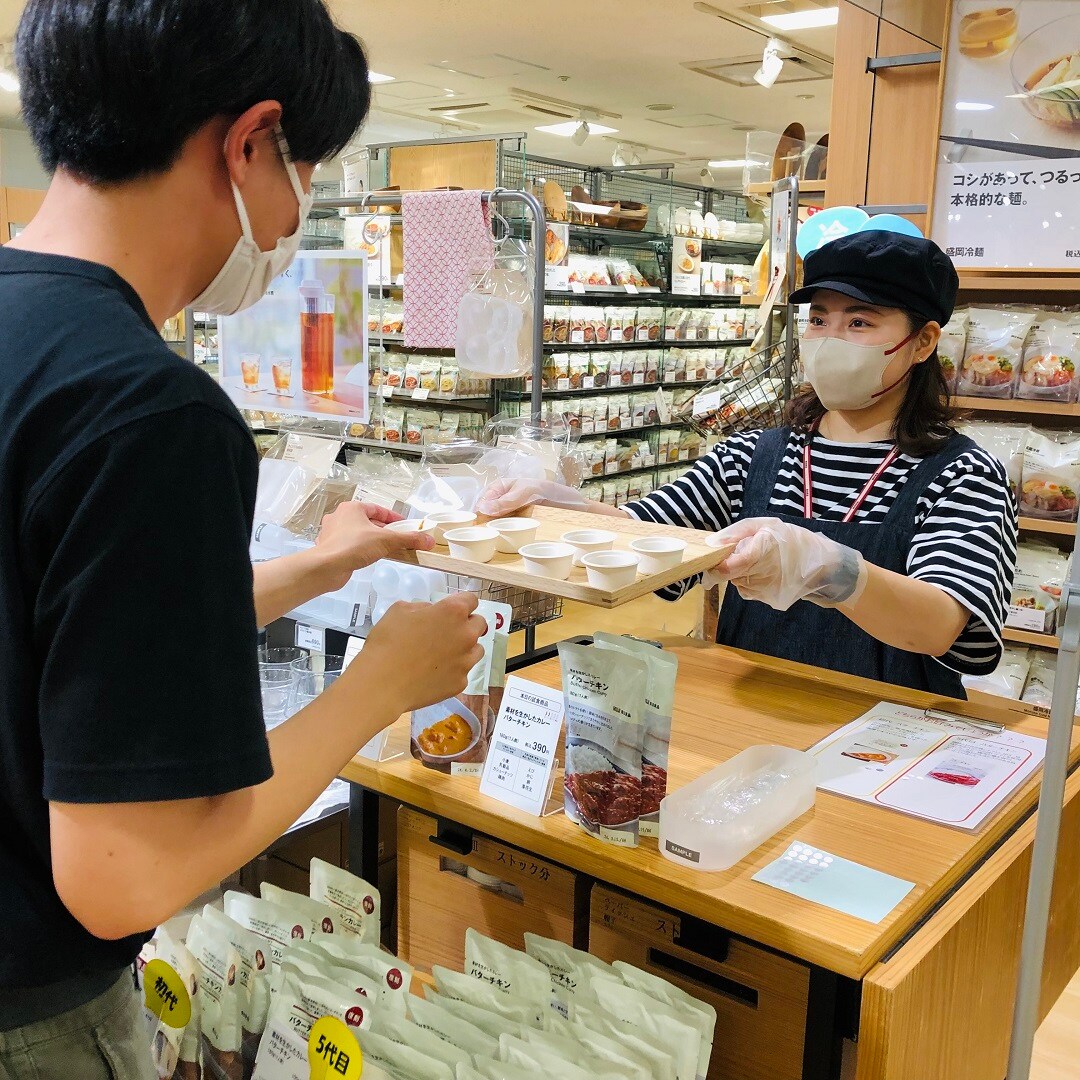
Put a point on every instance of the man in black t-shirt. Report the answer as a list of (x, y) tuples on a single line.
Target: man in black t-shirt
[(135, 771)]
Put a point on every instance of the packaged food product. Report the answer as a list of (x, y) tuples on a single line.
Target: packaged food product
[(628, 323), (500, 648), (579, 369), (669, 1028), (279, 927), (952, 345), (541, 1059), (357, 905), (641, 367), (407, 1033), (605, 698), (1006, 442), (661, 1059), (608, 1053), (401, 1061), (451, 1027), (556, 1045), (625, 411), (483, 994), (225, 998), (507, 969), (310, 962), (1039, 689), (412, 374), (649, 322), (675, 366), (549, 321), (448, 379), (1051, 355), (1051, 475), (496, 1070), (395, 370), (612, 325), (1036, 591), (637, 409), (597, 327), (992, 355), (490, 1022), (569, 969), (448, 426), (599, 364), (560, 324), (393, 424), (1008, 678), (392, 974), (174, 1045), (562, 371), (430, 369), (662, 668)]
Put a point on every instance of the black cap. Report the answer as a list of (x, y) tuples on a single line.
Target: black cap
[(884, 268)]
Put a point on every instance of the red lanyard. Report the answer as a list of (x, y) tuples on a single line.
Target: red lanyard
[(808, 482)]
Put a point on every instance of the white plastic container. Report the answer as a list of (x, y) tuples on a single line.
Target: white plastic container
[(514, 533), (722, 816), (553, 561), (439, 523), (586, 541), (610, 569), (658, 553), (476, 544)]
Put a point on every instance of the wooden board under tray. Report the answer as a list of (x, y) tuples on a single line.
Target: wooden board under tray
[(510, 569)]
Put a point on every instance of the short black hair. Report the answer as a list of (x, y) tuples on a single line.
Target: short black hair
[(112, 89)]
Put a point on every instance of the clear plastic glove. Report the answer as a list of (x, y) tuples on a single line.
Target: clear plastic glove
[(506, 496), (779, 563)]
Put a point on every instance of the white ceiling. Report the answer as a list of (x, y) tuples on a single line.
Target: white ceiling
[(609, 60)]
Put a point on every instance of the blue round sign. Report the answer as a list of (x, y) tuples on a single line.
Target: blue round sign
[(829, 225), (890, 223)]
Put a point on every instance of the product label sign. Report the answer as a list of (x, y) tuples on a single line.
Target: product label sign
[(310, 637), (642, 920), (523, 746)]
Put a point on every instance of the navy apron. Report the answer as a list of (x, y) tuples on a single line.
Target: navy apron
[(823, 637)]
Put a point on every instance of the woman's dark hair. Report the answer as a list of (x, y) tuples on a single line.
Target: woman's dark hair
[(112, 89), (925, 421)]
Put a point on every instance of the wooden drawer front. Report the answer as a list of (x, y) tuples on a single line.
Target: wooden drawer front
[(436, 905), (760, 998)]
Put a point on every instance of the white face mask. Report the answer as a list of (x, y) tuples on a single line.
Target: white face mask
[(248, 271), (846, 376)]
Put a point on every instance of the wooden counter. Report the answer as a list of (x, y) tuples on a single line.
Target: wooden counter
[(725, 702)]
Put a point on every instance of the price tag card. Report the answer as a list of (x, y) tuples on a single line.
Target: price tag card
[(639, 378), (631, 289), (588, 382), (557, 278), (577, 287), (421, 393), (386, 390), (310, 637), (523, 744), (577, 337), (562, 384)]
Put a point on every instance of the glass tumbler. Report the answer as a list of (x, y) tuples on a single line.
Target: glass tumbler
[(281, 658), (309, 685), (276, 687), (318, 663)]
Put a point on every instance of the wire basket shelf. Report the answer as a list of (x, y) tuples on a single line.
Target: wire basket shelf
[(530, 608)]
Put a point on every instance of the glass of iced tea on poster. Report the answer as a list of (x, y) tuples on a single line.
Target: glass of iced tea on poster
[(987, 29), (249, 370), (316, 338), (281, 367)]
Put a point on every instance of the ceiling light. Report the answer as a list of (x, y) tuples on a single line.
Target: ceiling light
[(771, 64), (580, 134), (803, 20), (618, 158), (729, 163), (570, 127), (375, 77), (972, 106), (660, 107), (9, 82), (706, 176)]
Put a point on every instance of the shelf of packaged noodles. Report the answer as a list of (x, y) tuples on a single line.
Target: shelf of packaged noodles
[(1055, 528), (1018, 406), (1028, 637)]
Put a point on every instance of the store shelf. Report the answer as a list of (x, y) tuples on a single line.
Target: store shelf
[(393, 448), (608, 291), (1055, 528), (812, 190), (593, 391), (1026, 637), (639, 471), (482, 401), (1018, 406), (616, 237), (668, 343), (1015, 281), (729, 343), (751, 301), (729, 247), (615, 432)]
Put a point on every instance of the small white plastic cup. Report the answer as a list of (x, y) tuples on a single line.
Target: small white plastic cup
[(658, 553), (553, 561), (415, 525), (611, 570), (514, 533), (475, 544), (448, 519), (586, 541)]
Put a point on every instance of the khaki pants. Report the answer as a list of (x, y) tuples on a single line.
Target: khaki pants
[(105, 1039)]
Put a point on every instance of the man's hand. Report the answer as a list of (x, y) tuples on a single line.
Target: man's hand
[(423, 653), (354, 536)]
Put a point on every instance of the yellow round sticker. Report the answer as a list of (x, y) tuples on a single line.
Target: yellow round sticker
[(166, 995), (333, 1052)]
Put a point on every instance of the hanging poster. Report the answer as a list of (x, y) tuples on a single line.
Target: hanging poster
[(302, 349), (1008, 164)]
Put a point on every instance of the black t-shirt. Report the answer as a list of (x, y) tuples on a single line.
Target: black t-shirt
[(128, 667)]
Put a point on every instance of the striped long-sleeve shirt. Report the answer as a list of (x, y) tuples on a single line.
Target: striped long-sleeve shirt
[(965, 539)]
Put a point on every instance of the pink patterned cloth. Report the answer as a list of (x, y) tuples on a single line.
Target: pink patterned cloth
[(446, 238)]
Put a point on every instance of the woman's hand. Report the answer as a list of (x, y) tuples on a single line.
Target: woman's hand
[(779, 563), (508, 496)]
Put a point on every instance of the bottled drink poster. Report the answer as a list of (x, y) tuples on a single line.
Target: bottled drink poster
[(302, 349), (1008, 161)]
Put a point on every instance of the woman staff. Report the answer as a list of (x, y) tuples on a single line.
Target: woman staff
[(897, 533)]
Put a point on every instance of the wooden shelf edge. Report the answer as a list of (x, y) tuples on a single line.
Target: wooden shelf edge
[(806, 187), (1058, 528), (1026, 637), (1020, 406)]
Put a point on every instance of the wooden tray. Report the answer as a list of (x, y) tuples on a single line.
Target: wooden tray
[(510, 569)]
